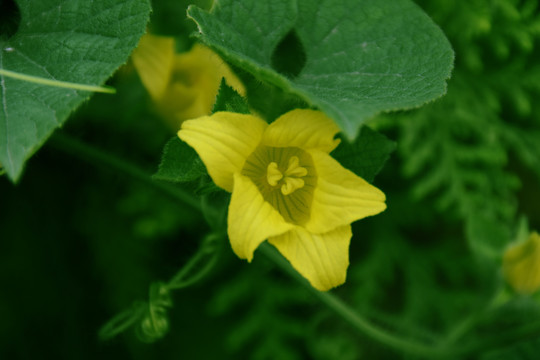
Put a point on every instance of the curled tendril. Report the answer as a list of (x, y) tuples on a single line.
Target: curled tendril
[(151, 318), (155, 323), (123, 321)]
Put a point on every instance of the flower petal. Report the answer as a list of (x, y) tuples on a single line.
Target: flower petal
[(303, 128), (223, 141), (251, 219), (340, 196), (202, 64), (321, 258), (521, 265), (153, 59)]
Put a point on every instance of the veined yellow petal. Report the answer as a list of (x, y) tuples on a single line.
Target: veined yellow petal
[(251, 219), (303, 128), (340, 196), (223, 141), (321, 258), (153, 59)]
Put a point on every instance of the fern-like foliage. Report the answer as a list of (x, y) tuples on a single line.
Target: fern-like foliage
[(458, 148), (484, 31), (267, 306)]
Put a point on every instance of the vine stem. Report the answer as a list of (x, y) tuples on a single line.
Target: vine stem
[(429, 351), (122, 321), (72, 146), (208, 247), (464, 327), (353, 318), (56, 83)]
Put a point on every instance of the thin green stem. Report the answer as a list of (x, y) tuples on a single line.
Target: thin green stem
[(502, 339), (178, 279), (155, 309), (463, 327), (122, 322), (99, 157), (56, 83), (181, 283), (469, 323), (182, 279), (353, 318)]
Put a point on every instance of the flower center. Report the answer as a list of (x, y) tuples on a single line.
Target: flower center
[(286, 179), (291, 180)]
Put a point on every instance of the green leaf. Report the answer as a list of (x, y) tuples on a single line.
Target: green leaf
[(179, 163), (268, 100), (367, 155), (77, 41), (229, 100), (361, 57)]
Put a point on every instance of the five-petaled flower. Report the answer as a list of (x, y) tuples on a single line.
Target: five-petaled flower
[(286, 188), (183, 86), (521, 265)]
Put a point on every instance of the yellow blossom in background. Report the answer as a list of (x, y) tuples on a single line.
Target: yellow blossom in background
[(183, 86), (521, 265), (286, 188)]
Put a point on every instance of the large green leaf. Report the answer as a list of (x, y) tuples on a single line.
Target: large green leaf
[(361, 56), (180, 163), (76, 41)]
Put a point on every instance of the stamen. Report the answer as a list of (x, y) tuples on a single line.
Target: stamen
[(291, 185), (273, 175), (294, 168)]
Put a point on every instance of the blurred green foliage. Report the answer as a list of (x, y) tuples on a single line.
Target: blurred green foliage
[(468, 151), (79, 243)]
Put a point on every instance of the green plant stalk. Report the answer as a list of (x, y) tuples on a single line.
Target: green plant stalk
[(72, 146), (122, 322), (352, 317), (179, 281), (132, 316), (56, 83), (469, 323), (524, 332), (430, 351)]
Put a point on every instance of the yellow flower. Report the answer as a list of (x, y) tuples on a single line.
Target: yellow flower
[(183, 86), (521, 265), (285, 188)]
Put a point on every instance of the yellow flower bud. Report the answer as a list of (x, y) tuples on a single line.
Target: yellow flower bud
[(182, 86), (521, 265)]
